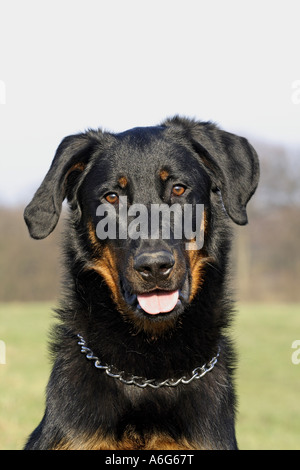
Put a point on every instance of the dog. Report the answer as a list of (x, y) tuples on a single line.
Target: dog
[(141, 355)]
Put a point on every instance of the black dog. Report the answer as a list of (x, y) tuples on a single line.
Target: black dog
[(148, 314)]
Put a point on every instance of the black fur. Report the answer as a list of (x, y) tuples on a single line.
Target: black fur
[(85, 408)]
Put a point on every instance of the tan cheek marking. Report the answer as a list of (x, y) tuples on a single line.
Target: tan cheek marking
[(107, 268), (198, 260), (197, 263), (92, 236), (105, 264)]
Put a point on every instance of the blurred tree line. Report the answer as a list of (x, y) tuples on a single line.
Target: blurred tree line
[(266, 255)]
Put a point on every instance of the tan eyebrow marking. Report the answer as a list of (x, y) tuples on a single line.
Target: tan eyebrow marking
[(164, 174), (123, 181)]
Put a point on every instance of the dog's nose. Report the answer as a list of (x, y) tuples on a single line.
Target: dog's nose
[(154, 265)]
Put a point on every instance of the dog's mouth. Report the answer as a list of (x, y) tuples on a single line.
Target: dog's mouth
[(158, 302)]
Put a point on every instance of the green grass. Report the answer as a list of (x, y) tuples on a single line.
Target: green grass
[(24, 329), (268, 383)]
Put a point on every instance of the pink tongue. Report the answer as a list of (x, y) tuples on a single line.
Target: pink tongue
[(158, 301)]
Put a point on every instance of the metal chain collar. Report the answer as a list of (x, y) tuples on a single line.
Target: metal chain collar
[(142, 382)]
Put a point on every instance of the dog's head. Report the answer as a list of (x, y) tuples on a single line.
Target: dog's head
[(144, 204)]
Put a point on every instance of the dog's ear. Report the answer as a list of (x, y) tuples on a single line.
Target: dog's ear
[(230, 161), (42, 214)]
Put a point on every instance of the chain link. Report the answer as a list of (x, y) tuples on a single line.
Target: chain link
[(142, 382)]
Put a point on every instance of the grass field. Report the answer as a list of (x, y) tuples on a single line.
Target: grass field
[(268, 383)]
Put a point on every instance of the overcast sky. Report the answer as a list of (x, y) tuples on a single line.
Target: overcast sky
[(69, 65)]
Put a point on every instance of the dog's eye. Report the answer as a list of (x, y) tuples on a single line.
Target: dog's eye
[(112, 198), (178, 190)]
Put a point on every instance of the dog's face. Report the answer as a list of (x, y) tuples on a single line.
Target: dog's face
[(152, 278), (119, 186)]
